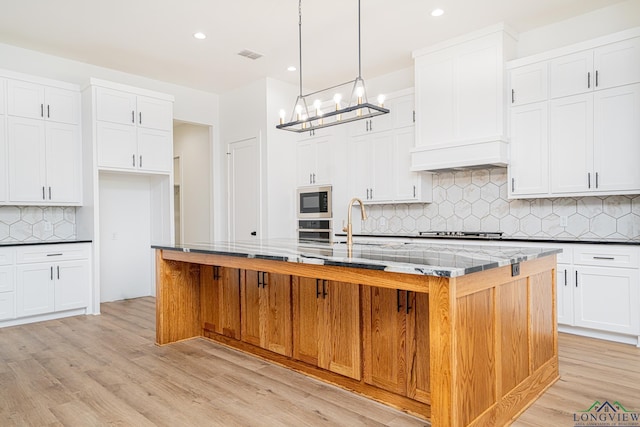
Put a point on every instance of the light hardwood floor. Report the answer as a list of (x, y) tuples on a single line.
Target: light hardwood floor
[(106, 370)]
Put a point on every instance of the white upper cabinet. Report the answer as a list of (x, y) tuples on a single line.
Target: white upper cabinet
[(134, 131), (589, 138), (611, 65), (529, 83), (401, 114), (529, 158), (36, 101), (313, 161)]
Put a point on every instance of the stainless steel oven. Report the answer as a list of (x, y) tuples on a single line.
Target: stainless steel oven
[(315, 230), (314, 202)]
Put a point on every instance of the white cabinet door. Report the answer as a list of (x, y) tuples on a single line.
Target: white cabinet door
[(155, 150), (564, 290), (435, 96), (154, 113), (34, 289), (3, 160), (607, 299), (402, 111), (359, 167), (62, 105), (117, 146), (305, 162), (529, 159), (6, 279), (529, 83), (617, 64), (63, 163), (72, 283), (324, 163), (382, 167), (408, 185), (571, 74), (3, 91), (26, 140), (571, 144), (115, 106), (25, 99), (617, 139), (7, 306)]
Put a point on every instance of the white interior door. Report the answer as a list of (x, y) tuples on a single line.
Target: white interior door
[(244, 190)]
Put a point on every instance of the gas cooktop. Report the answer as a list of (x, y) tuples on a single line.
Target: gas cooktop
[(463, 234)]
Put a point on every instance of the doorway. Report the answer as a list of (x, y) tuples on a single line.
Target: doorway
[(192, 176), (244, 190)]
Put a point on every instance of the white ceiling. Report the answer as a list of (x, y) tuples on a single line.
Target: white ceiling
[(153, 38)]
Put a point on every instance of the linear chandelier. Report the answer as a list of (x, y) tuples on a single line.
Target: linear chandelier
[(330, 112)]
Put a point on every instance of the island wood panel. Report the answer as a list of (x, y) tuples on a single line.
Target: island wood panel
[(512, 331), (543, 319), (220, 300), (418, 356), (475, 350), (385, 337), (380, 278), (326, 325), (177, 300), (251, 310)]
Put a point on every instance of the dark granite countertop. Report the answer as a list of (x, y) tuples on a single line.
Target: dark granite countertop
[(44, 242), (430, 259), (563, 239)]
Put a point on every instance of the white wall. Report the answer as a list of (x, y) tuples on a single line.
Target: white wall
[(191, 143), (618, 17)]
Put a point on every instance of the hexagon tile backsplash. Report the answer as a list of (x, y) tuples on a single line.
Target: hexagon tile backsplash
[(35, 223), (477, 200)]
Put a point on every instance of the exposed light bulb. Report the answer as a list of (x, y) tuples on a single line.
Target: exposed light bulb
[(359, 93), (298, 111), (437, 12), (381, 99), (282, 115), (337, 98), (317, 104)]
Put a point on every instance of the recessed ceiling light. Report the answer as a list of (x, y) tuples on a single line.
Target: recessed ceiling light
[(200, 36), (437, 12), (291, 68)]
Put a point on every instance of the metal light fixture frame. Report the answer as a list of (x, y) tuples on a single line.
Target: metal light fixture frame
[(306, 122)]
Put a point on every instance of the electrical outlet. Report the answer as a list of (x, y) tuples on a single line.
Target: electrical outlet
[(564, 221), (515, 269)]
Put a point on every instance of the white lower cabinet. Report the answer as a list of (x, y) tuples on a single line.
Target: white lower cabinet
[(600, 289), (52, 278)]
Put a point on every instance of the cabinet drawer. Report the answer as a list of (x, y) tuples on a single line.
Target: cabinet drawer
[(607, 256), (6, 279), (7, 256), (52, 253), (7, 306)]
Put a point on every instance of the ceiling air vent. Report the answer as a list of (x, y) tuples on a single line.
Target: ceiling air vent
[(249, 54)]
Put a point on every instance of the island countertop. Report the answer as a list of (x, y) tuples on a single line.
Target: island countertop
[(430, 259)]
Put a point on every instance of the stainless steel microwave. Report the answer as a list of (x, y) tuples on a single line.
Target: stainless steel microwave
[(314, 202)]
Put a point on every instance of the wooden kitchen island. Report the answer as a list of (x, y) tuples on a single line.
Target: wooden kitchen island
[(456, 335)]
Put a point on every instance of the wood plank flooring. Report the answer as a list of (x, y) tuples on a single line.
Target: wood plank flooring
[(106, 370)]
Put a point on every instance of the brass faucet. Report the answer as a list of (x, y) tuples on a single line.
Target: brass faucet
[(348, 228)]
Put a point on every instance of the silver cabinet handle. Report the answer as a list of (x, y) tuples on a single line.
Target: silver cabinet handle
[(58, 254), (58, 268), (140, 160), (513, 184), (370, 124), (565, 277), (41, 110), (367, 125), (133, 160), (133, 116), (372, 194), (140, 117), (608, 258), (49, 193), (589, 80), (310, 180), (314, 178), (43, 197), (51, 275), (596, 179), (513, 96), (48, 116), (414, 191), (589, 179), (576, 279), (596, 78)]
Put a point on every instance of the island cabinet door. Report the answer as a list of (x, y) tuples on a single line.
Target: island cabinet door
[(266, 311), (340, 344), (220, 300), (385, 329), (326, 325), (418, 355)]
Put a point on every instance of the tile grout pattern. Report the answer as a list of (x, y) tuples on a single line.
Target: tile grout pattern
[(36, 223), (473, 200)]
